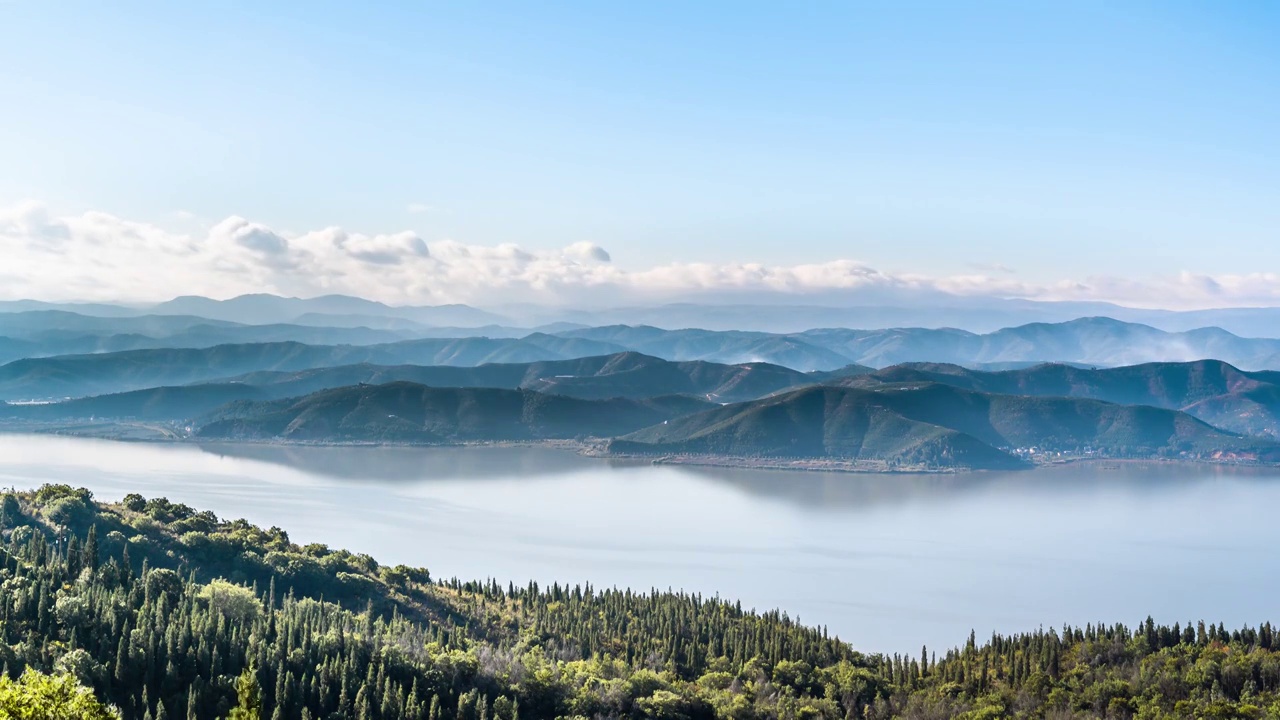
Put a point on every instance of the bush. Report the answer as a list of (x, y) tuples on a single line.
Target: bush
[(356, 585), (70, 610), (22, 535), (37, 696), (236, 602), (164, 582), (53, 491), (79, 664), (145, 524), (68, 510), (166, 512), (401, 574)]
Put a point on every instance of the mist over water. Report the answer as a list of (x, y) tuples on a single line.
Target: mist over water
[(888, 562)]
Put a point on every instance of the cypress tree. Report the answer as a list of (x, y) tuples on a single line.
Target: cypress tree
[(248, 696)]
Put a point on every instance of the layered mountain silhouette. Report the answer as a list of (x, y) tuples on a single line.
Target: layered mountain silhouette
[(981, 315), (323, 369), (933, 424), (629, 375), (409, 412), (1089, 341), (1212, 390), (274, 368)]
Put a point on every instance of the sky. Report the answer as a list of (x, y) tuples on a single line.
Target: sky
[(592, 152)]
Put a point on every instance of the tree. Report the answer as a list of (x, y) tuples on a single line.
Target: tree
[(249, 704), (36, 696), (90, 559)]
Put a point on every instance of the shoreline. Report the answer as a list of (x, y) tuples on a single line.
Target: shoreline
[(597, 448)]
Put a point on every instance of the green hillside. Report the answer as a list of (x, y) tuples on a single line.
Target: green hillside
[(165, 611), (1214, 391), (409, 412), (936, 424), (627, 374)]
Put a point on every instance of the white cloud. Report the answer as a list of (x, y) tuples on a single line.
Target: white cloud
[(419, 208), (97, 256)]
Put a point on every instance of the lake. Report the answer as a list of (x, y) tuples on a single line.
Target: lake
[(888, 562)]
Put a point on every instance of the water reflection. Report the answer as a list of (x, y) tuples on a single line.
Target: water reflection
[(410, 463), (808, 489), (843, 491)]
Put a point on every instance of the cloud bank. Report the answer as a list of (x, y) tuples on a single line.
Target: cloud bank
[(99, 256)]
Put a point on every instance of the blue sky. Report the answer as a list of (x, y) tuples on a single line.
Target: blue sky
[(1043, 142)]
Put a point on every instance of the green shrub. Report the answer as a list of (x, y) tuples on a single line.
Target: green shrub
[(36, 696)]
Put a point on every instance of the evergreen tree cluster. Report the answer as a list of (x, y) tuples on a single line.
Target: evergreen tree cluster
[(166, 612)]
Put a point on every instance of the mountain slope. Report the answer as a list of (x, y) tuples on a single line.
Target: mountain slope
[(408, 412), (935, 424), (627, 374), (93, 374), (1092, 341), (732, 347), (160, 404), (1214, 391), (290, 369)]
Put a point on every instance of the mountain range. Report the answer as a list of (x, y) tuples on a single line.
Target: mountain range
[(81, 375), (777, 314), (627, 375), (1212, 390), (409, 412), (907, 416), (186, 355), (346, 369), (937, 425), (918, 427)]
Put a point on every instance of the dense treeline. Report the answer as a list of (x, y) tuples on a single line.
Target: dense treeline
[(166, 612)]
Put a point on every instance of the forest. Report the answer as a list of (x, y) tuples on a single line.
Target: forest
[(155, 610)]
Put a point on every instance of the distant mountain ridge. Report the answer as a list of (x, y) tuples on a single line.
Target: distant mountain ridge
[(627, 375), (264, 308), (81, 375), (1093, 341), (776, 315), (1090, 341)]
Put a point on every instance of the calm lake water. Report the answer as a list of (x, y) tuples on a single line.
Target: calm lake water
[(886, 562)]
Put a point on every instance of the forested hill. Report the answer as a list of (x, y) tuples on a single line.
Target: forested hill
[(278, 370), (627, 374), (1212, 390), (409, 412), (169, 612), (933, 424)]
